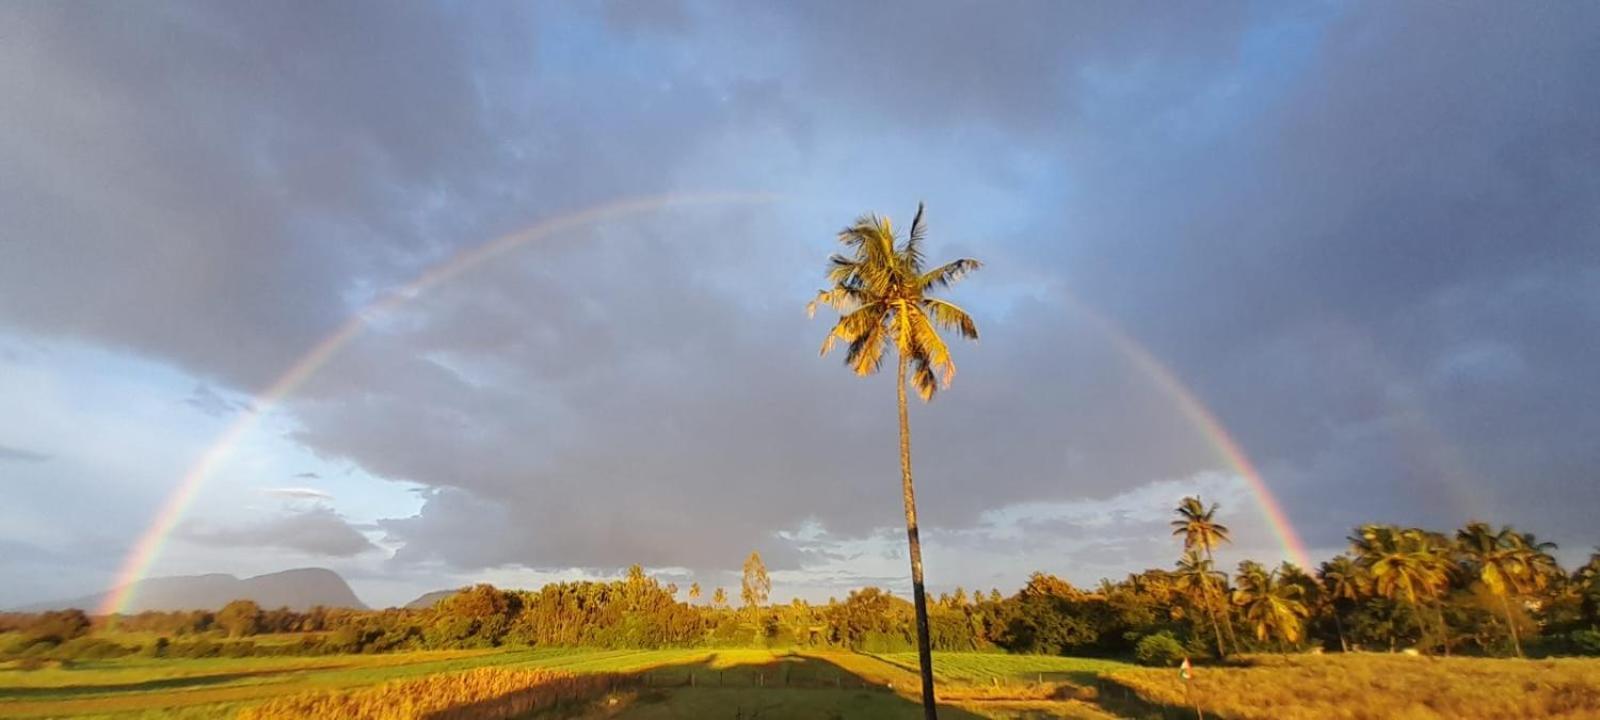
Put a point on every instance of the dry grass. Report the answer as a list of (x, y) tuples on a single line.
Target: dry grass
[(1381, 687), (481, 694)]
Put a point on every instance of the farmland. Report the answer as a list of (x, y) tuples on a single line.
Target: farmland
[(689, 683), (668, 683)]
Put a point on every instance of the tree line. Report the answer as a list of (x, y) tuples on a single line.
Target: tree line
[(1478, 590)]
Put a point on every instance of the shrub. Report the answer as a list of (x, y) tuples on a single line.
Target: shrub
[(1160, 649), (90, 648), (1586, 642)]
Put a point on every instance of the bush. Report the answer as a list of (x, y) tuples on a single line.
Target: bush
[(1586, 642), (1160, 649), (90, 648)]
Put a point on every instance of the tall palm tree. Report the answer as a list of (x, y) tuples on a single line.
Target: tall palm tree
[(1195, 579), (881, 291), (1342, 582), (1401, 565), (1273, 605), (1501, 562), (1198, 527), (1439, 554)]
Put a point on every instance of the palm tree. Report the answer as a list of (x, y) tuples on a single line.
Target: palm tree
[(694, 591), (881, 292), (1402, 565), (1342, 581), (1199, 528), (1194, 579), (1501, 562), (1273, 605), (1439, 554), (1585, 582), (1543, 570)]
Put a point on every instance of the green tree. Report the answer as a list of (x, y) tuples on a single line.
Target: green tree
[(1198, 527), (1196, 580), (1274, 607), (58, 626), (754, 584), (240, 618), (1500, 562), (1403, 565), (1343, 585), (882, 294)]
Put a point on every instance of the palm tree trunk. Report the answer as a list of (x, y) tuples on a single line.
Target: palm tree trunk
[(1216, 627), (1511, 624), (1339, 625), (1444, 630), (919, 596), (1227, 616)]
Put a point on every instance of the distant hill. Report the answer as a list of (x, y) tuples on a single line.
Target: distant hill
[(431, 599), (299, 589)]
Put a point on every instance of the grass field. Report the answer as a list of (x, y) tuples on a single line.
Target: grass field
[(1381, 686), (780, 684), (215, 687)]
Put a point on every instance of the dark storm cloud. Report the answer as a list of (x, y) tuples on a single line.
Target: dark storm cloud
[(1364, 233), (314, 531), (1417, 202)]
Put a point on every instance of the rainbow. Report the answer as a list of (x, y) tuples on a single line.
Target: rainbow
[(149, 545), (1215, 432)]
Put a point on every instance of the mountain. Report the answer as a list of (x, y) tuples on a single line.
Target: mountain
[(298, 589), (431, 599)]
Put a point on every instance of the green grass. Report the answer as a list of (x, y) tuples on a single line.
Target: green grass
[(990, 668), (214, 687), (685, 682)]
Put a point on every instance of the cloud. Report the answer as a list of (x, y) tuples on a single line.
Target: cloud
[(298, 493), (22, 455), (209, 401), (313, 531), (1360, 234)]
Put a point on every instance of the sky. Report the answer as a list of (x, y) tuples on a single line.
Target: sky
[(1363, 236)]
